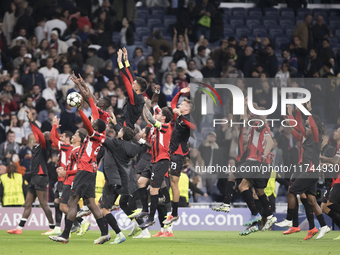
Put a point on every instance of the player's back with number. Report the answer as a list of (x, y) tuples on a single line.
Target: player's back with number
[(87, 160)]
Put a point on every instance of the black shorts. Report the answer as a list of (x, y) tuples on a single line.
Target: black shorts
[(334, 195), (84, 184), (176, 163), (38, 182), (108, 197), (142, 163), (258, 179), (59, 190), (304, 184), (158, 170), (147, 171), (65, 195)]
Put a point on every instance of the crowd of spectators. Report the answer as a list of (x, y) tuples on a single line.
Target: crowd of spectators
[(43, 42)]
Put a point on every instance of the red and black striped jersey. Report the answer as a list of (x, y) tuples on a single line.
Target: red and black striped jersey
[(40, 152), (103, 115), (160, 140), (87, 160), (72, 166), (63, 148), (256, 143)]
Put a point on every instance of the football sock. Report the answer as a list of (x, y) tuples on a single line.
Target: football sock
[(112, 222), (248, 198), (267, 209), (58, 214), (103, 226), (321, 220), (174, 209), (309, 212), (144, 198), (153, 206), (67, 229), (229, 192)]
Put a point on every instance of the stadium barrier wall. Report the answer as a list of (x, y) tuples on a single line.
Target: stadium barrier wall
[(191, 219)]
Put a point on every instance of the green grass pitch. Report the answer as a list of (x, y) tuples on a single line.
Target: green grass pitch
[(184, 242)]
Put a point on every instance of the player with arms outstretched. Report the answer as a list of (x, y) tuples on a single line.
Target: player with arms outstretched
[(39, 180), (85, 179)]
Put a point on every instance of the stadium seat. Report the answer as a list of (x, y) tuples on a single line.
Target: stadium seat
[(303, 11), (145, 11), (238, 11), (259, 29), (140, 30), (159, 17), (169, 20), (227, 35), (158, 12), (167, 37), (282, 41), (280, 60), (286, 21), (335, 50), (162, 29), (290, 29), (236, 21), (242, 31), (333, 41), (251, 22), (337, 33), (299, 20), (139, 44), (228, 30), (265, 35), (153, 22), (287, 12), (275, 29), (334, 24), (334, 12), (116, 37), (142, 15), (271, 12), (254, 11), (139, 22), (278, 52), (267, 21), (318, 11)]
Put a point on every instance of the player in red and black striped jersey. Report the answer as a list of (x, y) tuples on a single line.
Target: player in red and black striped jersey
[(62, 144), (102, 104), (259, 146), (84, 181), (39, 180), (306, 182), (332, 206), (179, 147), (135, 88), (160, 139)]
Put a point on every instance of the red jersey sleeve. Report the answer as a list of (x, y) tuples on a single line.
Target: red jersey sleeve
[(39, 136)]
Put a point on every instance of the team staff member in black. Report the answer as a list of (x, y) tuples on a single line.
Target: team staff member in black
[(38, 184), (178, 147)]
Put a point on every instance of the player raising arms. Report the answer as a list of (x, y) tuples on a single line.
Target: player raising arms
[(306, 182), (160, 159), (62, 144), (179, 148), (135, 87), (102, 105), (39, 180), (84, 182), (68, 165)]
